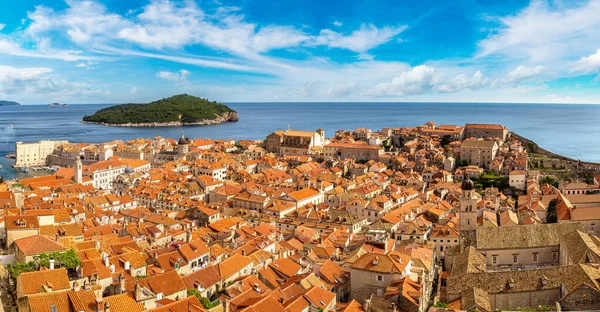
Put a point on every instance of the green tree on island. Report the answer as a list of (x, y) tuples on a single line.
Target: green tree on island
[(179, 108)]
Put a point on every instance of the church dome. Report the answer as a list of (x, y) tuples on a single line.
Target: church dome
[(183, 140), (468, 185), (128, 169)]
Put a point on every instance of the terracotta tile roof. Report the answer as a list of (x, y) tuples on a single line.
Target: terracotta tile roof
[(268, 303), (581, 247), (21, 222), (523, 236), (95, 266), (123, 303), (304, 193), (168, 260), (204, 277), (37, 244), (189, 304), (485, 126), (61, 230), (353, 306), (44, 302), (35, 282), (233, 264), (168, 283), (381, 263), (331, 272), (476, 298), (319, 297), (285, 267)]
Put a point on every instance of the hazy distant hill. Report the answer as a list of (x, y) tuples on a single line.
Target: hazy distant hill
[(8, 103), (178, 110)]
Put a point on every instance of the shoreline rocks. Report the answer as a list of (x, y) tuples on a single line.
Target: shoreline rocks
[(228, 117)]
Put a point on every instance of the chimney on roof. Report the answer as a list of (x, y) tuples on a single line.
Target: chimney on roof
[(122, 282), (99, 305), (51, 264), (376, 260)]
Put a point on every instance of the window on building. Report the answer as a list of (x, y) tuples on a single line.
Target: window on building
[(494, 259), (554, 256), (535, 257), (380, 278), (515, 258)]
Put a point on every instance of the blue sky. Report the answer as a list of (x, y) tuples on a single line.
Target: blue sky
[(111, 51)]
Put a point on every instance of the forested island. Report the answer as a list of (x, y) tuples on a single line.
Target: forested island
[(178, 110), (8, 103)]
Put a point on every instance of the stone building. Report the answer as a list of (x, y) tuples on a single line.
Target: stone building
[(485, 131), (352, 150), (478, 152), (34, 153), (294, 142), (528, 266), (372, 273)]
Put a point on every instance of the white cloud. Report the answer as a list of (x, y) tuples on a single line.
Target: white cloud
[(522, 73), (361, 40), (83, 21), (39, 81), (546, 32), (425, 79), (418, 80), (87, 65), (277, 37), (307, 90), (180, 76), (163, 28), (344, 90), (553, 98), (165, 24), (338, 24), (2, 26), (463, 81), (587, 64), (12, 48)]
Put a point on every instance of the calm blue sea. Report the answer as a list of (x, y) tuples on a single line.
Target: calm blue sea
[(572, 130)]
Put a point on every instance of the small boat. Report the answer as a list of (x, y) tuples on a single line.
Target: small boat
[(0, 166), (11, 156), (11, 126), (25, 169)]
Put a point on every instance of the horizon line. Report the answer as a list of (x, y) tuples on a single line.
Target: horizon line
[(337, 102)]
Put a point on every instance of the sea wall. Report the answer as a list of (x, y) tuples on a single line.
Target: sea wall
[(54, 160), (571, 162), (230, 116)]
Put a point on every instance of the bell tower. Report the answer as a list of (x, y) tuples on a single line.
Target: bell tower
[(183, 145), (468, 207), (78, 174)]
